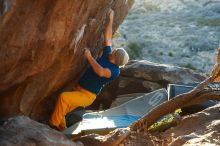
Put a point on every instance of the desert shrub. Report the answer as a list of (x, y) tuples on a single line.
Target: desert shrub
[(189, 66), (208, 22), (117, 34), (170, 54), (166, 120), (135, 50)]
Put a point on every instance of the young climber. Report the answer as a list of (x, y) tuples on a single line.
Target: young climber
[(101, 71)]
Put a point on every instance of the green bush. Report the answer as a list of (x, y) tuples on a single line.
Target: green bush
[(165, 121), (116, 35), (122, 44), (188, 65), (170, 54), (208, 22), (135, 50)]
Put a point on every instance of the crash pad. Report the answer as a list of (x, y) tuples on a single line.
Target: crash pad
[(120, 116)]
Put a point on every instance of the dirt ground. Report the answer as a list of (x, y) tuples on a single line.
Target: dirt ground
[(145, 139)]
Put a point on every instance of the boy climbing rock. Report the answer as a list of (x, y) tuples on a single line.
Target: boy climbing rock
[(101, 71)]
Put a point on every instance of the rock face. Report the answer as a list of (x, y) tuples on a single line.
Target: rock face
[(202, 128), (144, 76), (41, 48), (21, 130)]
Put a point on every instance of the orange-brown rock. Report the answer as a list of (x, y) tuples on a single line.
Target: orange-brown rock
[(41, 46), (23, 131), (202, 128)]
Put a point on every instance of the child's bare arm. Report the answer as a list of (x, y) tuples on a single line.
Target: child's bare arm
[(108, 29), (98, 69)]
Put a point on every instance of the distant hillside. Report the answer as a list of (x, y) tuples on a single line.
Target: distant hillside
[(180, 32)]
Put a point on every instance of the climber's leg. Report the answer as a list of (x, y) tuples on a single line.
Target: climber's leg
[(67, 102)]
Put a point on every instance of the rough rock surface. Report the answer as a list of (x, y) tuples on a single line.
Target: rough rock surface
[(142, 77), (22, 131), (161, 73), (41, 48), (201, 128)]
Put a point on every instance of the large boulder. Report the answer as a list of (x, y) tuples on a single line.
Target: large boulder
[(41, 49), (23, 131), (202, 128), (161, 73), (142, 77)]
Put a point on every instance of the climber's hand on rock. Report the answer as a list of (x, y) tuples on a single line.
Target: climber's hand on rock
[(111, 14), (87, 53)]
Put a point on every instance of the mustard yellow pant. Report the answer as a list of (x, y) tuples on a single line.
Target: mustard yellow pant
[(67, 102)]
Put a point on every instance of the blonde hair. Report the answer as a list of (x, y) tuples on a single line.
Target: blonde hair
[(121, 57)]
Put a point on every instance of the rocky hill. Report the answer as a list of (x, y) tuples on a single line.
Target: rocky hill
[(185, 33)]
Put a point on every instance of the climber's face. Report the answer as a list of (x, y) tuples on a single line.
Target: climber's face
[(113, 53), (112, 56)]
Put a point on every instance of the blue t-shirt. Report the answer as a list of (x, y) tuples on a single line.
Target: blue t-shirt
[(93, 82)]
